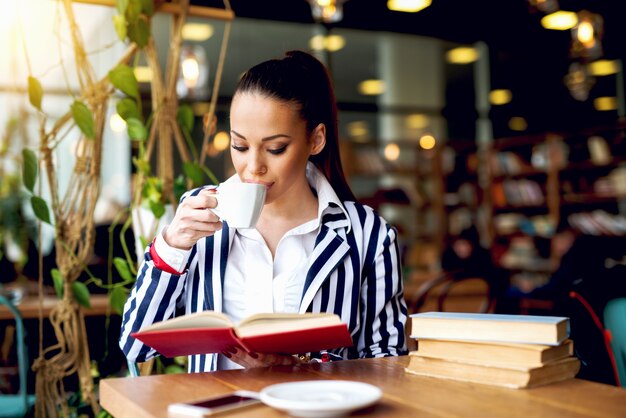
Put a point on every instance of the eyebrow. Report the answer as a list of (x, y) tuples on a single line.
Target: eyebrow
[(267, 138)]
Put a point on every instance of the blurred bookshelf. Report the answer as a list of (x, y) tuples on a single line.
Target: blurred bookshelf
[(538, 183), (406, 188)]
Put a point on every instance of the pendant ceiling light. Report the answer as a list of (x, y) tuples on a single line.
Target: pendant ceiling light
[(586, 36), (579, 81), (327, 11)]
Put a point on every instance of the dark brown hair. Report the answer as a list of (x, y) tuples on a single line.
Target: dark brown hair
[(301, 79)]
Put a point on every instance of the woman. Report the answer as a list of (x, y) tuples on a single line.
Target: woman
[(314, 249)]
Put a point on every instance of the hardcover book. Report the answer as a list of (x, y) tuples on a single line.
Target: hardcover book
[(503, 354), (489, 374), (525, 329), (213, 332)]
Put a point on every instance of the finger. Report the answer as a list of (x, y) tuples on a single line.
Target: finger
[(242, 358), (202, 229), (187, 218), (201, 201), (185, 236)]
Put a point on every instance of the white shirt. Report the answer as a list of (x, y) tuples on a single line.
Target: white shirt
[(254, 282)]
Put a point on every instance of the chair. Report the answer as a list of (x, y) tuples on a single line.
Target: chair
[(133, 369), (140, 369), (615, 322), (17, 405), (453, 292)]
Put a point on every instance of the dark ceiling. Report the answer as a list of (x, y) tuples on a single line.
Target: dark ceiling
[(524, 57)]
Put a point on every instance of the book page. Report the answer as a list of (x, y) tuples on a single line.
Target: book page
[(281, 322), (205, 319)]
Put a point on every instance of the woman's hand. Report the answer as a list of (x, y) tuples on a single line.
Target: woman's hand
[(193, 221), (249, 360)]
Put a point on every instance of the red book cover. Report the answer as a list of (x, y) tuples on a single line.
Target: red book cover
[(183, 342), (300, 341), (212, 332)]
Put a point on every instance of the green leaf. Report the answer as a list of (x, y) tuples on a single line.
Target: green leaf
[(119, 22), (29, 169), (83, 118), (136, 129), (152, 190), (118, 299), (185, 118), (104, 414), (144, 241), (147, 7), (121, 5), (180, 187), (133, 10), (57, 280), (139, 32), (122, 268), (40, 207), (35, 92), (174, 369), (194, 172), (143, 166), (157, 208), (123, 78), (127, 108), (81, 294)]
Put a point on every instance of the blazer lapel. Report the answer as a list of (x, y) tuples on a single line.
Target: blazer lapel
[(329, 251)]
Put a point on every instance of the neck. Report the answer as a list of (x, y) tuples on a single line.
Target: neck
[(296, 207)]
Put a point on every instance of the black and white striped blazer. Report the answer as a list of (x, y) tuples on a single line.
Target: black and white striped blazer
[(354, 271)]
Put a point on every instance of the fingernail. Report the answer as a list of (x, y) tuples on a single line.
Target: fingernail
[(253, 355), (232, 350), (226, 354)]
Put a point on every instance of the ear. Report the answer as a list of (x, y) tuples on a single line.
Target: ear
[(318, 139)]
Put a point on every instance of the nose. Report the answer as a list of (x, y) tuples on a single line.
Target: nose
[(256, 163)]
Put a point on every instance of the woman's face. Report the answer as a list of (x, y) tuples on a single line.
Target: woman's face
[(269, 144)]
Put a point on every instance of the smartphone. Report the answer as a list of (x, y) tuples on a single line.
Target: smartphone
[(215, 404)]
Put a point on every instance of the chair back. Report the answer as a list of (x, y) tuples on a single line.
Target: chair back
[(133, 369), (450, 292), (21, 402), (615, 322)]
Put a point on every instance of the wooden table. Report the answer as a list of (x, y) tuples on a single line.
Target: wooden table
[(404, 395), (29, 307)]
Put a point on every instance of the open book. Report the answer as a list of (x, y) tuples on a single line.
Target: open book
[(213, 332)]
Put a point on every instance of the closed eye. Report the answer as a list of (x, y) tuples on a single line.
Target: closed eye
[(239, 148), (278, 150)]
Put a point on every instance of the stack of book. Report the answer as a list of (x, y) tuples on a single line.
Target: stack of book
[(516, 351)]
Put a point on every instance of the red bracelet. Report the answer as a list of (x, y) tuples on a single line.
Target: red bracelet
[(160, 264)]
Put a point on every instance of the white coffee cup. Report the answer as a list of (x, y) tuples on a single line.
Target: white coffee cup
[(239, 204)]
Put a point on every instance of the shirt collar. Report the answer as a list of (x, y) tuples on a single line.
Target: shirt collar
[(330, 209)]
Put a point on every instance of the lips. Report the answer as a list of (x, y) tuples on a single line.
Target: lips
[(264, 183)]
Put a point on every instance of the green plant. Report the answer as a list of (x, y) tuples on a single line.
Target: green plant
[(16, 229), (167, 128), (71, 214)]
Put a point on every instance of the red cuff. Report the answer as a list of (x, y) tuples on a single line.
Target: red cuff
[(160, 264)]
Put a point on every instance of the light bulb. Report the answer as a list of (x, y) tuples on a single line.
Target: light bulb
[(191, 71)]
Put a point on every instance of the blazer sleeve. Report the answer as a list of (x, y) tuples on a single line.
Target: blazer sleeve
[(384, 311), (152, 299)]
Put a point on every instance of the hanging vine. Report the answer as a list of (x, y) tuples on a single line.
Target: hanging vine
[(72, 214)]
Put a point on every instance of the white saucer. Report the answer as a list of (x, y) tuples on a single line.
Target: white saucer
[(320, 398)]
